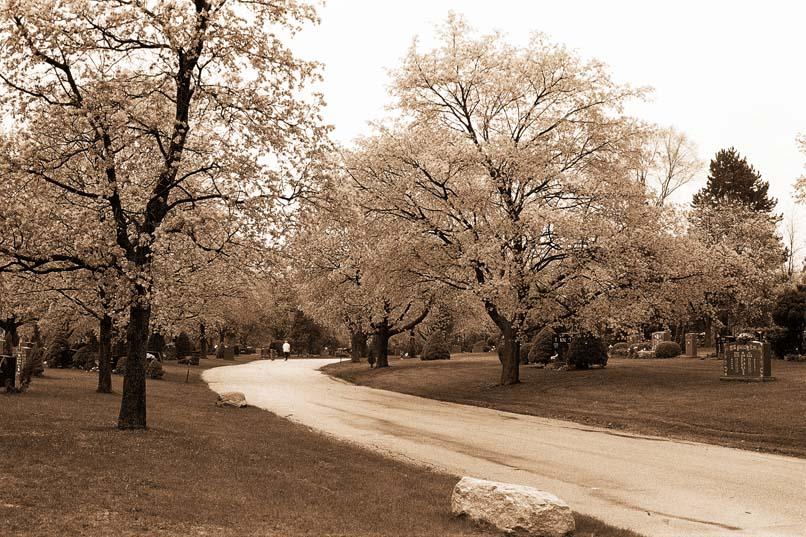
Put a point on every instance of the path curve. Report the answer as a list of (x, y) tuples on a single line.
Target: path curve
[(658, 487)]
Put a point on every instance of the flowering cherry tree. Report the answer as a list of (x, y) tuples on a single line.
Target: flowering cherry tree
[(140, 113), (354, 270), (516, 164)]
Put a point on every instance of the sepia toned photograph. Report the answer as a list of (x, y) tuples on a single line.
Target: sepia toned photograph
[(446, 268)]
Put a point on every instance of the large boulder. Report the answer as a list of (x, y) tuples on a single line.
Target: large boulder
[(512, 508), (235, 399)]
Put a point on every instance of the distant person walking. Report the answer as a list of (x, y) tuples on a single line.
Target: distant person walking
[(286, 349)]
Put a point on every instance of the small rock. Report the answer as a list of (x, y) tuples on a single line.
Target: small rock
[(235, 399), (512, 508)]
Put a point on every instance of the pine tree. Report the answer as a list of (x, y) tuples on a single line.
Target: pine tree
[(731, 179)]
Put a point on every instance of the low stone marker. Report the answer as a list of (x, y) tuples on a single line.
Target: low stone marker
[(512, 508), (236, 399), (692, 348), (657, 337), (748, 361)]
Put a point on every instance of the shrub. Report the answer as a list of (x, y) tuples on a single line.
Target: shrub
[(84, 358), (58, 351), (436, 348), (542, 347), (525, 348), (586, 350), (480, 346), (169, 352), (780, 342), (790, 313), (635, 348), (120, 367), (619, 350), (667, 349), (154, 369), (183, 346), (32, 367)]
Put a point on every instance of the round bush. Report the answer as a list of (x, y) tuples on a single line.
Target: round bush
[(667, 349), (542, 347), (84, 358), (585, 351), (436, 348), (120, 367), (154, 369)]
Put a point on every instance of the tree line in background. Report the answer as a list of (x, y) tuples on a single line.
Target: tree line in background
[(166, 171)]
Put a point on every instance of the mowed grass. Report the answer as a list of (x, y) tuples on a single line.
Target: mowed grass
[(202, 470), (680, 398)]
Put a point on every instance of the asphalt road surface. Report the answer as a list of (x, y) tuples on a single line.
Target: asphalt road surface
[(655, 486)]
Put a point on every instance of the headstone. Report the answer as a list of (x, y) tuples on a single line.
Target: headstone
[(748, 361), (657, 337), (561, 344), (692, 348), (229, 353), (721, 342)]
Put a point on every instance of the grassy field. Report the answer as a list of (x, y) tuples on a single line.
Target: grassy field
[(202, 470), (681, 398)]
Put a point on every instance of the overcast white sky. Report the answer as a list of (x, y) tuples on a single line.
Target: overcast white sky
[(726, 73)]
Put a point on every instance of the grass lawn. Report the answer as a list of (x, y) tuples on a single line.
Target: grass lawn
[(201, 470), (680, 398)]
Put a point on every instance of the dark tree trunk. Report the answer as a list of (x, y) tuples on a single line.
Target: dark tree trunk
[(358, 346), (133, 403), (8, 372), (202, 341), (219, 351), (105, 355), (510, 358), (382, 346)]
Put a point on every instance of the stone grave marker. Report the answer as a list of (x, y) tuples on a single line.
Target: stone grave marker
[(561, 344), (657, 337), (747, 361), (692, 347)]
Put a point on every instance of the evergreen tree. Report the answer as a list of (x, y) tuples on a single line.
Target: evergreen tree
[(731, 179)]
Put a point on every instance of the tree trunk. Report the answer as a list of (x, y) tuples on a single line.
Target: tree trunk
[(105, 355), (219, 351), (358, 346), (709, 332), (8, 373), (510, 358), (133, 403), (382, 347), (202, 341)]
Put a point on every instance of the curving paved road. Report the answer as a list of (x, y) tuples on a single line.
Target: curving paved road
[(651, 485)]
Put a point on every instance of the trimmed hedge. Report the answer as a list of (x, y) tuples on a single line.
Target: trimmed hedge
[(667, 349), (585, 351)]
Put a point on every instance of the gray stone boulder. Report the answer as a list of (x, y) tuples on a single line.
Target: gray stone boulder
[(235, 399), (512, 508)]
